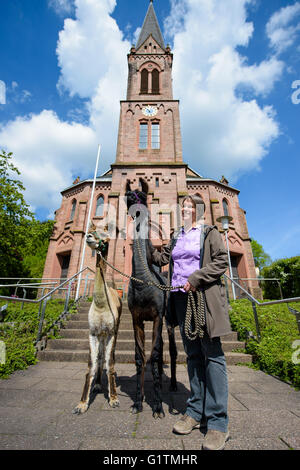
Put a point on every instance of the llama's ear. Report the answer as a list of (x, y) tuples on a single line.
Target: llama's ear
[(127, 188), (144, 186)]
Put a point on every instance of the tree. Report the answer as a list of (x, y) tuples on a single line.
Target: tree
[(261, 258), (15, 218), (287, 270), (35, 250), (23, 239)]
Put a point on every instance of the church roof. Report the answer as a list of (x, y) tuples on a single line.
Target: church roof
[(151, 26)]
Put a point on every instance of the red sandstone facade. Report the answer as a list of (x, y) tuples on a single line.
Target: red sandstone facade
[(149, 146)]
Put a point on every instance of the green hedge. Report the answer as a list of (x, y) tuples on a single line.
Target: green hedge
[(19, 339), (288, 271), (278, 327)]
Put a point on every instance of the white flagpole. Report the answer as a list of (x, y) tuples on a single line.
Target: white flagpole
[(88, 222)]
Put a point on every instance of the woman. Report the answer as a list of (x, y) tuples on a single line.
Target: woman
[(197, 259)]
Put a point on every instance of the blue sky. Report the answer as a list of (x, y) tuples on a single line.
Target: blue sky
[(64, 71)]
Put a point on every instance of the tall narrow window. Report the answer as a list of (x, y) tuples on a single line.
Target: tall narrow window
[(73, 210), (99, 206), (144, 81), (225, 207), (155, 136), (143, 135), (155, 81)]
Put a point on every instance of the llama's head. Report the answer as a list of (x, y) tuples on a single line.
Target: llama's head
[(136, 200), (136, 196), (97, 239)]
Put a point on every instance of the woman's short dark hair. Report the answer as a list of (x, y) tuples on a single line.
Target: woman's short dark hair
[(198, 204)]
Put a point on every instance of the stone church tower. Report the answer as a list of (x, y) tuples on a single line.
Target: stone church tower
[(149, 147)]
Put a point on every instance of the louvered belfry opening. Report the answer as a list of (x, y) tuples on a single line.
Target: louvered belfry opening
[(155, 82), (144, 81)]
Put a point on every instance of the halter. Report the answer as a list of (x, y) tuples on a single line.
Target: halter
[(102, 246), (137, 198)]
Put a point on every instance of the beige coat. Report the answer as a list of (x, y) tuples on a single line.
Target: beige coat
[(213, 264)]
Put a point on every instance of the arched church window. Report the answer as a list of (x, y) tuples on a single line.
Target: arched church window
[(73, 209), (143, 143), (225, 207), (99, 207), (144, 81), (155, 81), (155, 135)]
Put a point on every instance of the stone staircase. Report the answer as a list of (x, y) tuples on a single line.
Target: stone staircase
[(74, 344)]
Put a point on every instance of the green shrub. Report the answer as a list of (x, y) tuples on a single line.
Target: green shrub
[(278, 328), (288, 271), (19, 338)]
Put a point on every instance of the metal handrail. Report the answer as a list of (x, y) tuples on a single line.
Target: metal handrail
[(45, 299), (46, 295), (32, 285), (255, 278), (261, 304), (262, 279), (256, 302)]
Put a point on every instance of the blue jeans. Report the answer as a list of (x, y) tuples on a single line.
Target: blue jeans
[(207, 372)]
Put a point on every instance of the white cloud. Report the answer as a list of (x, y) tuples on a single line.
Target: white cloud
[(136, 35), (16, 94), (2, 92), (48, 153), (284, 27), (61, 7), (91, 48), (92, 55), (223, 133)]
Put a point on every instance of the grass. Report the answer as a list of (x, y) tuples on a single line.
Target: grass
[(19, 338), (275, 353)]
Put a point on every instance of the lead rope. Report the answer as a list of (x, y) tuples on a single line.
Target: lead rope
[(195, 308)]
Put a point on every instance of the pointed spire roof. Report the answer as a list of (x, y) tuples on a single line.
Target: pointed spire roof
[(151, 26)]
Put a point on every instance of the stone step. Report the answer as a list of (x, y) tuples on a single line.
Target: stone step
[(84, 316), (125, 345), (125, 311), (77, 324), (232, 358), (74, 342), (128, 334)]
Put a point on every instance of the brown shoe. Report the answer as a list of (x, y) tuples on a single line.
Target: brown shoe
[(185, 425), (215, 440)]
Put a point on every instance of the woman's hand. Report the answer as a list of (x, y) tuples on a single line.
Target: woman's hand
[(187, 287)]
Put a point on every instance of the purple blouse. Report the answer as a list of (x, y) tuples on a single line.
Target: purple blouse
[(186, 256)]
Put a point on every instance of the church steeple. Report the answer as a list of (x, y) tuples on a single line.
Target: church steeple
[(151, 26), (149, 129)]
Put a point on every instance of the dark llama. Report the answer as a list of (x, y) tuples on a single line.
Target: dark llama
[(147, 303)]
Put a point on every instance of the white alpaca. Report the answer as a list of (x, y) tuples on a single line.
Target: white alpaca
[(104, 319)]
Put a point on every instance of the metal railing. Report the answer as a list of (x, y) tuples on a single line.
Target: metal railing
[(256, 302), (42, 301), (259, 280)]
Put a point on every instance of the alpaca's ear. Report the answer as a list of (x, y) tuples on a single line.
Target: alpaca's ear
[(144, 185), (127, 188)]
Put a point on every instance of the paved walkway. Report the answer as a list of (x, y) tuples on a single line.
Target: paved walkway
[(36, 405)]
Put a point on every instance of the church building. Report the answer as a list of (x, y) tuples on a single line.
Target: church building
[(149, 147)]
